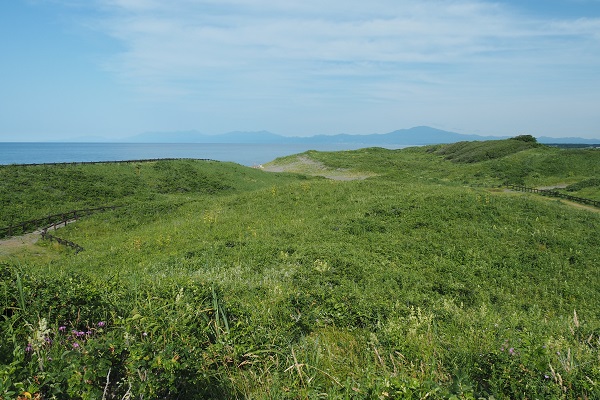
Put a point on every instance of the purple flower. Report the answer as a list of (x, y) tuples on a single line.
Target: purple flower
[(101, 324), (511, 351), (75, 345), (546, 376), (80, 333), (62, 328), (28, 349), (88, 333)]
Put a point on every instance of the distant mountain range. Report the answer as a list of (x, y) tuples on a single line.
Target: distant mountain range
[(420, 135)]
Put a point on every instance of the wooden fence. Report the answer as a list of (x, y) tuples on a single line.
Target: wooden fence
[(47, 236), (54, 221), (144, 160), (51, 221), (554, 193)]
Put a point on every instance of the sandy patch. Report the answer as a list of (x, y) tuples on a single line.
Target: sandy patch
[(19, 241), (307, 166), (14, 244), (18, 246), (558, 186)]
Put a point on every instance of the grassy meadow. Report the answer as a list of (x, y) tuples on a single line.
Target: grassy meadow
[(367, 274)]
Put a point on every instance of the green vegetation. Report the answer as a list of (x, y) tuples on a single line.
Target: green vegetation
[(470, 152), (37, 191), (424, 280), (593, 182)]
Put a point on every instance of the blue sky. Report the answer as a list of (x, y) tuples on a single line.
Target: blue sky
[(116, 68)]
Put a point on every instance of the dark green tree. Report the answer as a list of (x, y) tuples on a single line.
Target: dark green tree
[(525, 138)]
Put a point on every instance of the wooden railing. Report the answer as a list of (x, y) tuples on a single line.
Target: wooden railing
[(55, 220), (554, 193), (64, 242), (144, 160), (51, 221)]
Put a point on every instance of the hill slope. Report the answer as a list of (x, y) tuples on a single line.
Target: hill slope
[(422, 281)]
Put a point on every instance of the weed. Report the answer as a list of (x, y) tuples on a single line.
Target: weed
[(422, 281)]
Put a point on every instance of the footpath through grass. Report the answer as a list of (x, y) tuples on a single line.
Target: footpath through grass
[(419, 282)]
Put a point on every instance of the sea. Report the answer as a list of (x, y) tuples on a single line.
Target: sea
[(244, 154)]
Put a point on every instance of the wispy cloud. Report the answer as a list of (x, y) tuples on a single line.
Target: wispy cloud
[(196, 44), (313, 64)]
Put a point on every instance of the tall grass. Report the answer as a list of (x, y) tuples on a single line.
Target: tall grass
[(411, 284)]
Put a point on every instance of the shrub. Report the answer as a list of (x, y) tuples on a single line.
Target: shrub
[(525, 138), (592, 182)]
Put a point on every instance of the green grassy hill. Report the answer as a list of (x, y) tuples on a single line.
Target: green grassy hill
[(473, 164), (419, 278), (36, 191), (470, 152)]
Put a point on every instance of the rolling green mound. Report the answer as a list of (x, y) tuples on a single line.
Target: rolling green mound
[(414, 276), (470, 152), (28, 192)]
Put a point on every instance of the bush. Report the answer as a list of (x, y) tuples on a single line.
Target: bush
[(525, 138), (592, 182)]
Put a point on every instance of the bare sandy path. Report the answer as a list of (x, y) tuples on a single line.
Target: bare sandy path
[(12, 244), (570, 203), (16, 244), (308, 166)]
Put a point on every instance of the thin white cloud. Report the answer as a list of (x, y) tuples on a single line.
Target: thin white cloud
[(188, 38), (336, 53)]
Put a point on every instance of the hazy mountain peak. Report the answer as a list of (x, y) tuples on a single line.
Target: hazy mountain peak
[(418, 135)]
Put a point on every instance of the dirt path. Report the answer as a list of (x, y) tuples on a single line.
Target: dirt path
[(571, 203), (580, 206), (17, 244), (308, 166), (14, 244), (557, 186), (567, 202), (18, 241)]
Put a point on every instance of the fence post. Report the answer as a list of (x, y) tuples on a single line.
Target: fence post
[(554, 193)]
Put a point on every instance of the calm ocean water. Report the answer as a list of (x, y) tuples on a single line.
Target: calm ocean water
[(245, 154)]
